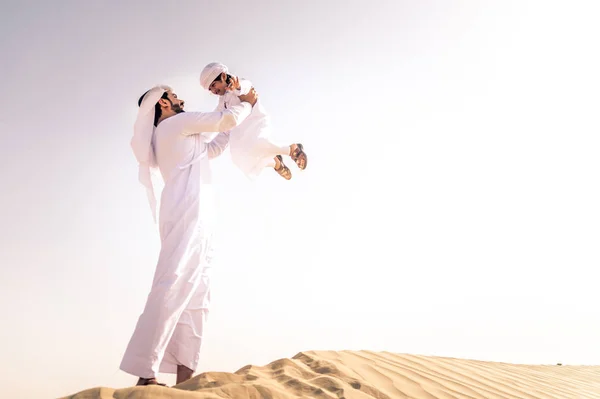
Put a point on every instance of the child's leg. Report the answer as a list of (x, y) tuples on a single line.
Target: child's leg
[(296, 152), (264, 147), (280, 150)]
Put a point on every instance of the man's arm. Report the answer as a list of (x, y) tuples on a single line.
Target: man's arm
[(216, 121), (210, 136), (217, 145)]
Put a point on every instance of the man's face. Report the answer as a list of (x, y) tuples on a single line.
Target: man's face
[(172, 104), (218, 85)]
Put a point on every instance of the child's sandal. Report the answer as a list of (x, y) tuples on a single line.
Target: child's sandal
[(283, 170), (299, 156)]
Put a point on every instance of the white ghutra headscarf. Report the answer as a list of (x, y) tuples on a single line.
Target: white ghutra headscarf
[(143, 149)]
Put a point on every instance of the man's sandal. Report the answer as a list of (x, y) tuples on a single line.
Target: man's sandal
[(149, 381), (283, 170), (299, 156)]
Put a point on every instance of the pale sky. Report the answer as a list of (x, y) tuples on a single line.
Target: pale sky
[(450, 205)]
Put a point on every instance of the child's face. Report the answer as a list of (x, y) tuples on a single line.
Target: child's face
[(218, 86)]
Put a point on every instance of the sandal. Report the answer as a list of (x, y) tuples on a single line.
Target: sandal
[(149, 381), (283, 170), (299, 156)]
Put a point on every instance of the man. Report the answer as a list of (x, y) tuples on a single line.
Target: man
[(175, 146)]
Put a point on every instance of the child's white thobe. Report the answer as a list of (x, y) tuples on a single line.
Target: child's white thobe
[(250, 147)]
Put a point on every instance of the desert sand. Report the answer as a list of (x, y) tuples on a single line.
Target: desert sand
[(382, 375)]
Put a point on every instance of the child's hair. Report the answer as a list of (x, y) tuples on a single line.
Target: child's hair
[(227, 80)]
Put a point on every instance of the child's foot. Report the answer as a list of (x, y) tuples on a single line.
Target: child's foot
[(280, 168), (298, 155)]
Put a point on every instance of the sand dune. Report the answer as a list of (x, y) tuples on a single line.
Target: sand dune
[(382, 375)]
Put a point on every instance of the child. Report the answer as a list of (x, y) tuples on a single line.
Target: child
[(249, 144)]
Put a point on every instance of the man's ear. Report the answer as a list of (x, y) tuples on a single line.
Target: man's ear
[(223, 77), (163, 103)]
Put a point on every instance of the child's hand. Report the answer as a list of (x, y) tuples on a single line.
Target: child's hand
[(234, 84)]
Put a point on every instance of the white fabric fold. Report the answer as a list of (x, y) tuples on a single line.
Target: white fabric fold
[(141, 144)]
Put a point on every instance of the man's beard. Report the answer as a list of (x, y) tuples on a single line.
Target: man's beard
[(177, 108)]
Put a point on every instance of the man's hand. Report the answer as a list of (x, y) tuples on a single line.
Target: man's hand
[(251, 97)]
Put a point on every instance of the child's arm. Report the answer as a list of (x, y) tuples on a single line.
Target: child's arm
[(245, 86)]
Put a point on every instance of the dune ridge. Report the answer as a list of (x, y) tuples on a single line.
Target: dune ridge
[(381, 375)]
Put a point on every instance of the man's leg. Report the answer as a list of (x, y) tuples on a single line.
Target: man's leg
[(183, 352), (155, 327), (183, 374), (149, 381), (177, 279)]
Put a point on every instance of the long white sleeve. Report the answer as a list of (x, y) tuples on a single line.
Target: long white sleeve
[(206, 136), (207, 123), (217, 145)]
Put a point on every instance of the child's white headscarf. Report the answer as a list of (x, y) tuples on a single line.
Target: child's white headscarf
[(210, 73)]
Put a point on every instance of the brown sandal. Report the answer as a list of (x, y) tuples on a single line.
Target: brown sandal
[(283, 170), (149, 381), (299, 156)]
